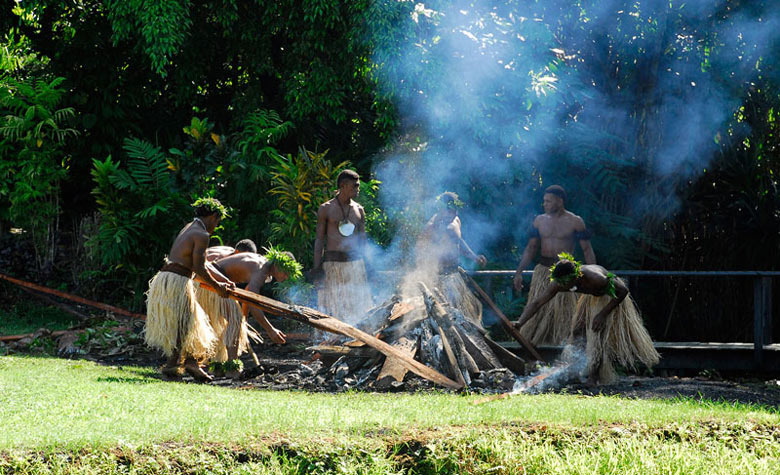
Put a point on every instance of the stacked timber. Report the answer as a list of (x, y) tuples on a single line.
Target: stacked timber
[(428, 330)]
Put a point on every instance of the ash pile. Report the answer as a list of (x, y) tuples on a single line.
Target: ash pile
[(430, 330)]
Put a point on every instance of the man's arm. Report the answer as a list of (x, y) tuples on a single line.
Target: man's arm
[(463, 247), (255, 283), (600, 320), (200, 244), (528, 256), (319, 240), (361, 230), (534, 305), (583, 235)]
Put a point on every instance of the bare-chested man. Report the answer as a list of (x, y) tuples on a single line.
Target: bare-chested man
[(557, 230), (343, 290), (217, 252), (440, 247), (255, 270), (612, 325), (175, 323)]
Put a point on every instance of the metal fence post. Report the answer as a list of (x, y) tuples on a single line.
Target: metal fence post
[(762, 317)]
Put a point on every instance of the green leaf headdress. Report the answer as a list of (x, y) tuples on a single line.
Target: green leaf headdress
[(285, 262), (450, 200), (211, 204), (565, 280)]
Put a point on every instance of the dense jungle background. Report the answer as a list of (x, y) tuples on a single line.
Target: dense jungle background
[(659, 118)]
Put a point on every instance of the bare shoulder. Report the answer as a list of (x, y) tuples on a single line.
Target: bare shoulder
[(538, 219), (577, 222)]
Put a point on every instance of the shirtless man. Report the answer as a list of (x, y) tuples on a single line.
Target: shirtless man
[(557, 230), (440, 246), (217, 252), (611, 322), (256, 270), (338, 269), (175, 323)]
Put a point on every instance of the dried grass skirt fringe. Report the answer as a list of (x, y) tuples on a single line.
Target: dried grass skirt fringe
[(345, 293), (624, 340), (552, 323), (174, 317), (461, 297), (228, 322)]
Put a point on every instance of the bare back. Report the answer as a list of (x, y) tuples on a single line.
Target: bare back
[(245, 267), (557, 232), (190, 245), (441, 240)]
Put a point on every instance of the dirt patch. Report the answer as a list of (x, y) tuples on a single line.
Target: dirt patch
[(292, 367)]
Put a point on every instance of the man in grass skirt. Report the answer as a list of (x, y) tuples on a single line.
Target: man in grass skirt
[(606, 315), (176, 323), (557, 230), (439, 250), (228, 317)]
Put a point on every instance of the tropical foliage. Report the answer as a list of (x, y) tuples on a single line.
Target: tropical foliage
[(660, 119)]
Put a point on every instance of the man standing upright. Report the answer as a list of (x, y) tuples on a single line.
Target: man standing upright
[(343, 290), (557, 230), (175, 322), (439, 249)]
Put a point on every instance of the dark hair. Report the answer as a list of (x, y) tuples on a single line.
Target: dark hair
[(346, 175), (556, 190), (563, 268), (208, 206), (246, 245)]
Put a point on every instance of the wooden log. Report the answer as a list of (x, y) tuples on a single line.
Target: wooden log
[(319, 320), (405, 324), (378, 317), (393, 370), (507, 358), (474, 338), (483, 356), (465, 360), (74, 298), (437, 313), (430, 345), (504, 320), (344, 350)]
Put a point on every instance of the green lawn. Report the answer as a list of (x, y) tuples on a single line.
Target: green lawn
[(93, 418), (27, 316)]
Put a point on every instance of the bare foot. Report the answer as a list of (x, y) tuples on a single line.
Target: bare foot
[(172, 373), (193, 369)]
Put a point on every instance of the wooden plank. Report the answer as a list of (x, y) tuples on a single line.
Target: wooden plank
[(319, 320), (74, 298), (393, 370), (436, 312), (504, 320), (507, 358), (478, 349), (344, 350)]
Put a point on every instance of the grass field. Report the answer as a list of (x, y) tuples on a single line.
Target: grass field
[(74, 416)]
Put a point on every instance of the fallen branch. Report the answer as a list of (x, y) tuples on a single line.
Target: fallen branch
[(74, 298), (504, 320)]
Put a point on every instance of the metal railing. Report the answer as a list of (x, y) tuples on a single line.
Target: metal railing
[(762, 296)]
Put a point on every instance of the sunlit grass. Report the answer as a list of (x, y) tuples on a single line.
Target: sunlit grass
[(49, 402)]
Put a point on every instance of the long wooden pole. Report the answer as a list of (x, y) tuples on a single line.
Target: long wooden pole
[(325, 322), (504, 320), (72, 297)]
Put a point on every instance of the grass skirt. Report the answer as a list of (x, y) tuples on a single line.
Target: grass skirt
[(552, 323), (228, 323), (460, 296), (174, 316), (624, 340), (345, 293)]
